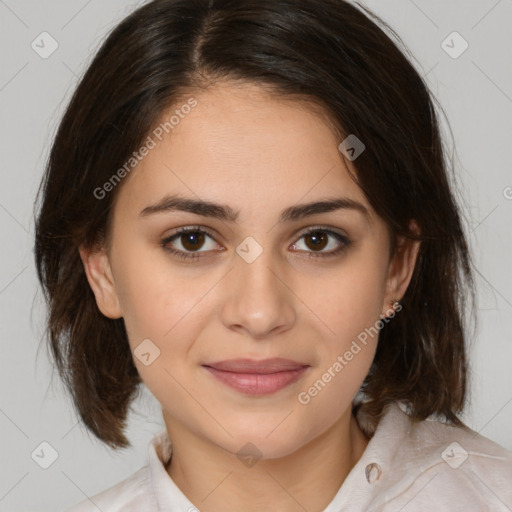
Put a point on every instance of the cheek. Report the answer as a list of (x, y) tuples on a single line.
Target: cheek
[(350, 300), (350, 307), (351, 310), (153, 294), (163, 304), (162, 318)]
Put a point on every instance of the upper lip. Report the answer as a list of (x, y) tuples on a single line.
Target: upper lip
[(263, 366)]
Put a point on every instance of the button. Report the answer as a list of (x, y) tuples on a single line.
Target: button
[(372, 472)]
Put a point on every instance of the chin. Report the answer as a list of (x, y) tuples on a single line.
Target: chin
[(265, 439)]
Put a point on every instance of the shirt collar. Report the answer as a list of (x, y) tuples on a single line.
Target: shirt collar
[(168, 495), (372, 475)]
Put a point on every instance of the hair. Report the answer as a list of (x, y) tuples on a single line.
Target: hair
[(326, 52)]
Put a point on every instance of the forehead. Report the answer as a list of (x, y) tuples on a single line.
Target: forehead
[(240, 144)]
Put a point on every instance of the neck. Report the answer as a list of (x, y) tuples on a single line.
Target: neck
[(214, 479)]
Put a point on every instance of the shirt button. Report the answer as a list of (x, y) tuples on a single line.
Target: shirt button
[(372, 472)]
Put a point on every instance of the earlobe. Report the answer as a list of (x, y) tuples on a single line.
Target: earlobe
[(101, 280)]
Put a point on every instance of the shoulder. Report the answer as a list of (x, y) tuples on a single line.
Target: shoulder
[(150, 488), (459, 448), (437, 464), (129, 495)]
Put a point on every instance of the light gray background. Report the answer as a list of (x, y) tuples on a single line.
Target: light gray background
[(476, 92)]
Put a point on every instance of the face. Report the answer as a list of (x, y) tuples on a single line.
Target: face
[(258, 276)]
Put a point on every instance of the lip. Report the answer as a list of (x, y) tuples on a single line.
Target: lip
[(257, 377)]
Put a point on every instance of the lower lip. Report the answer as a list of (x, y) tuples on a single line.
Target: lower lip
[(258, 383)]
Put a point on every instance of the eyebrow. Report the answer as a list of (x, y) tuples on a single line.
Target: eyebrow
[(226, 213)]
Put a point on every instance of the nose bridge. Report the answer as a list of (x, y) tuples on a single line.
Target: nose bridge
[(254, 269), (258, 300)]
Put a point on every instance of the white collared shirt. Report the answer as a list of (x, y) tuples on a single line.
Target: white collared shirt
[(406, 466)]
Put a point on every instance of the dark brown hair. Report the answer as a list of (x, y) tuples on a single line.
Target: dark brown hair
[(326, 51)]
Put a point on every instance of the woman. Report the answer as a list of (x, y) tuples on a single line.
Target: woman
[(247, 209)]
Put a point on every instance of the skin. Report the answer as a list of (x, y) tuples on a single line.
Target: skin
[(259, 155)]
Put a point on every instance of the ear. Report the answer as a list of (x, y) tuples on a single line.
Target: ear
[(99, 274), (401, 268)]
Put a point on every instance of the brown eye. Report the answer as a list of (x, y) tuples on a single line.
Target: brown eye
[(192, 240), (316, 240), (319, 240), (189, 243)]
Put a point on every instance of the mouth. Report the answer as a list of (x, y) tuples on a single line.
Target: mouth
[(255, 377)]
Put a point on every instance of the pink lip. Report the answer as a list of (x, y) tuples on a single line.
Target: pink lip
[(257, 377)]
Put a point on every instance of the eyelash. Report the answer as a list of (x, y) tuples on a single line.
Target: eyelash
[(193, 229)]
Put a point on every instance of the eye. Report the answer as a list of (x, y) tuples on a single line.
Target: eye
[(192, 239), (317, 239)]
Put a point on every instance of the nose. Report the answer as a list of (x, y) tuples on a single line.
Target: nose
[(258, 302)]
